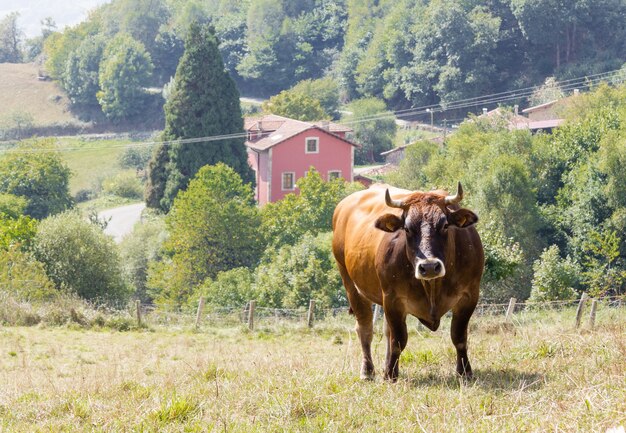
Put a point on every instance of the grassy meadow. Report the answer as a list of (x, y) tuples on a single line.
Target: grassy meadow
[(91, 161), (536, 374), (22, 92)]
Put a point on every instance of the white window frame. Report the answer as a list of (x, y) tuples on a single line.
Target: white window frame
[(317, 144), (293, 180), (331, 172)]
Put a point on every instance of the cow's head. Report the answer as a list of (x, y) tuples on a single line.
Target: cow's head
[(426, 218)]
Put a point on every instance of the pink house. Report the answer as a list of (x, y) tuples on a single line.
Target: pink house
[(282, 150)]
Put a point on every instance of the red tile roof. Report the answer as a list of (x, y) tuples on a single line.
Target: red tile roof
[(540, 106), (544, 124), (275, 129)]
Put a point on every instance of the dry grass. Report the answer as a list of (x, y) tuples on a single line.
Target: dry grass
[(21, 91), (537, 375)]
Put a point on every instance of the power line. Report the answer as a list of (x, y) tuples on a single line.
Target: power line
[(518, 93), (487, 99), (490, 99)]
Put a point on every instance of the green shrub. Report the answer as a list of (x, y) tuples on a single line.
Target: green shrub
[(554, 278), (36, 172), (135, 157), (23, 277), (16, 231), (80, 258), (504, 265), (138, 250), (229, 289), (16, 125), (84, 195), (125, 185), (299, 273), (12, 206)]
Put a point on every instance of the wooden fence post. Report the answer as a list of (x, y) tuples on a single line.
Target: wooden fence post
[(510, 309), (251, 315), (138, 309), (377, 313), (200, 311), (579, 310), (311, 315), (592, 314)]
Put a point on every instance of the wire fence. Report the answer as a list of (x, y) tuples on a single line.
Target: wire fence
[(251, 316), (259, 317)]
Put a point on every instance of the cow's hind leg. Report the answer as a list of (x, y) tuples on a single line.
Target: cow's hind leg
[(461, 314), (362, 309)]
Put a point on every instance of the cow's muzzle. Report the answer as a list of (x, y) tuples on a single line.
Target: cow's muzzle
[(428, 269)]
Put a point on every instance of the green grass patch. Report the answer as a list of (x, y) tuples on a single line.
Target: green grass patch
[(91, 161)]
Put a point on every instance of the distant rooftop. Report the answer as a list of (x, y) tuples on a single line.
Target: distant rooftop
[(267, 131)]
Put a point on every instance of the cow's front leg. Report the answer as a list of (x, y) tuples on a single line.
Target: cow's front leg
[(461, 314), (396, 342), (362, 310)]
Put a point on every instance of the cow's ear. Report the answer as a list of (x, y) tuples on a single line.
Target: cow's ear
[(389, 223), (462, 218)]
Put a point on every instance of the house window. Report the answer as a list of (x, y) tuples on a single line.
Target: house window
[(334, 174), (312, 145), (289, 181)]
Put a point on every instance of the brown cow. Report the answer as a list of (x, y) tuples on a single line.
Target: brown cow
[(416, 253)]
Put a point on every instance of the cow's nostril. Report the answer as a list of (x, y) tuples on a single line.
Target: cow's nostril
[(437, 267), (421, 269)]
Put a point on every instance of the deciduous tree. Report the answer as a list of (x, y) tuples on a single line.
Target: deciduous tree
[(123, 75), (37, 173), (80, 258), (10, 39), (295, 105), (213, 226), (374, 135)]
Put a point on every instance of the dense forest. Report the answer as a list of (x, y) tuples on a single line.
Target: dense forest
[(552, 206), (552, 214), (406, 52)]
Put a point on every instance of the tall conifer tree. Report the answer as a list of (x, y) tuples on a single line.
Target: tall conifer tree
[(204, 103)]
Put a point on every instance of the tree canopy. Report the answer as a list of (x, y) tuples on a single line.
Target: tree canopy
[(123, 75), (375, 135), (78, 257), (10, 39), (551, 200), (295, 105), (37, 173), (213, 227), (204, 103), (406, 52)]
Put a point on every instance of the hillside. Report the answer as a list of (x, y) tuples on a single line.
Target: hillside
[(21, 91)]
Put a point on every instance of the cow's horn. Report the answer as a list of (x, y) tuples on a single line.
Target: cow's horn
[(393, 203), (454, 199)]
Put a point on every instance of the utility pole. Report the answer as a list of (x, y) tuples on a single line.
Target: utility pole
[(428, 110)]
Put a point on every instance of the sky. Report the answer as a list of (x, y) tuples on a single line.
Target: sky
[(63, 12)]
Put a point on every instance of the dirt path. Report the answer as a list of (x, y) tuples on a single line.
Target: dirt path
[(122, 220)]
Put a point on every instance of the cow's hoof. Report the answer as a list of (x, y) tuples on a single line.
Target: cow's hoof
[(465, 376), (391, 378), (367, 373)]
